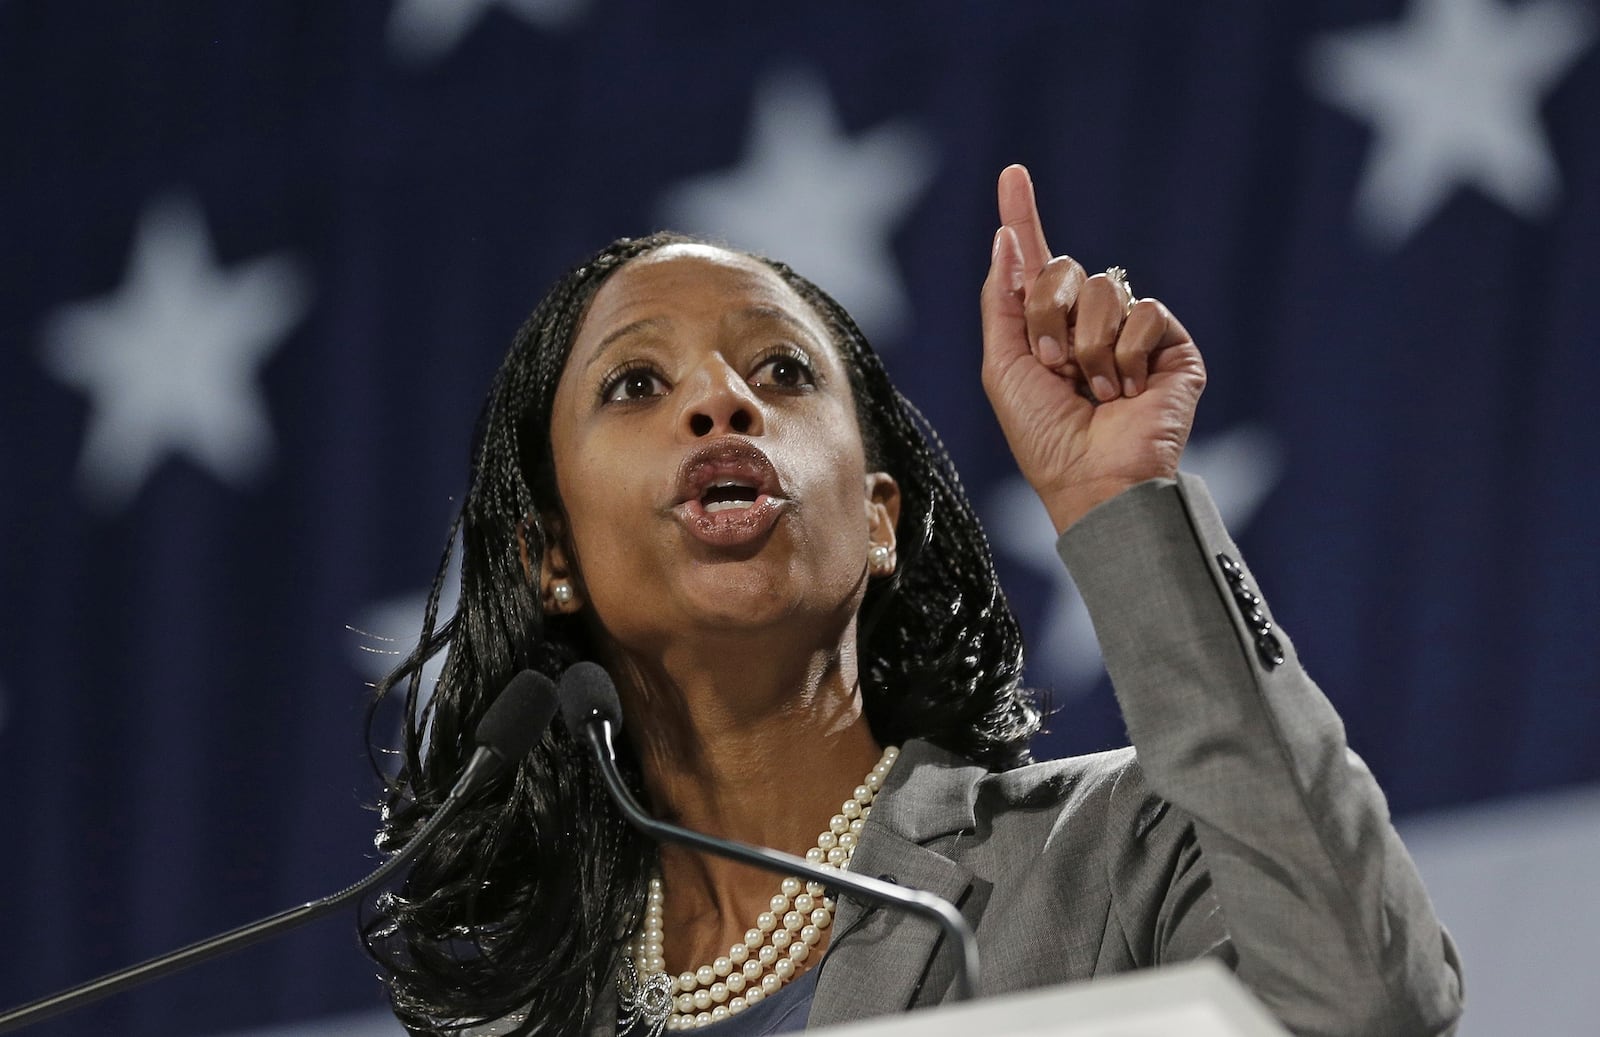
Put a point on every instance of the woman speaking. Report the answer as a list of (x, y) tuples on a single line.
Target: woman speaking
[(693, 470)]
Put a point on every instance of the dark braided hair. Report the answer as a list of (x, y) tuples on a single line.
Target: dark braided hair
[(523, 901)]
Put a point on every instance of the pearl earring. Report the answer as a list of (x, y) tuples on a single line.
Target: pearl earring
[(878, 560), (562, 593)]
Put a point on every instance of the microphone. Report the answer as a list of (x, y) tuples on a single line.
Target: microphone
[(507, 732), (591, 710)]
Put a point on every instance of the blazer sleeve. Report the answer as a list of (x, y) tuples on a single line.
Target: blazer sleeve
[(1329, 920)]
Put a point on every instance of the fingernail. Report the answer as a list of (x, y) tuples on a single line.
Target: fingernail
[(1050, 353), (1103, 388), (994, 249), (1128, 388)]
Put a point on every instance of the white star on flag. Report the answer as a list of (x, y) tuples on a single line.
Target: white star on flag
[(1239, 468), (424, 30), (1453, 95), (169, 360), (820, 201)]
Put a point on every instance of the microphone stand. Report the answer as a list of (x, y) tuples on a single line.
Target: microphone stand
[(598, 730), (225, 943), (513, 722)]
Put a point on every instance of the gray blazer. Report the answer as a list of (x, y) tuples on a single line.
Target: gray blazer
[(1244, 828)]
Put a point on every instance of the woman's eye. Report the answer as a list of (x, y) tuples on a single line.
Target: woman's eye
[(784, 372), (639, 384)]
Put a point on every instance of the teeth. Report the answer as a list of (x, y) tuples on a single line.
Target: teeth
[(725, 494)]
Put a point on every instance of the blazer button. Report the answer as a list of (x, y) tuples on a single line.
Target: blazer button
[(1270, 650), (1230, 569)]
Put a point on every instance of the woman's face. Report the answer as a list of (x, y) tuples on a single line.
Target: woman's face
[(708, 458)]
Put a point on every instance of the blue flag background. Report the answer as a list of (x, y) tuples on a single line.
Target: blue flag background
[(260, 261)]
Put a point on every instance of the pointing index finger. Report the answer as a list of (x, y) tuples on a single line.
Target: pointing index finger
[(1020, 212)]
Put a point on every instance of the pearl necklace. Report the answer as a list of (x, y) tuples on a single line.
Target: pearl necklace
[(772, 952)]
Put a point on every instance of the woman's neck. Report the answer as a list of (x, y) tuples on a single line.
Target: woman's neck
[(752, 745)]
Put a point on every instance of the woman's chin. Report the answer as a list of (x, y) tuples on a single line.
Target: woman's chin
[(734, 612), (753, 600)]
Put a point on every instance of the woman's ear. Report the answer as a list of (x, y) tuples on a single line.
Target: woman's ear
[(883, 516), (557, 579)]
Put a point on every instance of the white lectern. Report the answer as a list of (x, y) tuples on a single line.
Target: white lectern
[(1198, 999)]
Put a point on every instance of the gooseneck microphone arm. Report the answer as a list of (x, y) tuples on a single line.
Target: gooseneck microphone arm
[(509, 728), (589, 715), (216, 946)]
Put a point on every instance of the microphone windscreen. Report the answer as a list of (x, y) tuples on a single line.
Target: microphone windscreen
[(587, 693), (518, 718)]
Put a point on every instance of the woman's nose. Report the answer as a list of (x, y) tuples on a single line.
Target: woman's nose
[(718, 401)]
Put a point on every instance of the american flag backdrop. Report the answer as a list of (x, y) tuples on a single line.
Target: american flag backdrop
[(260, 260)]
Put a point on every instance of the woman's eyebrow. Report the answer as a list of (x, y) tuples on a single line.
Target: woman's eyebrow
[(633, 328), (775, 313)]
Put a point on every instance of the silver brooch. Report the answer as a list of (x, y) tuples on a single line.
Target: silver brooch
[(643, 999)]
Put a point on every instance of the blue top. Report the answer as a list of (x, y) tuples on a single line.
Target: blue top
[(783, 1012)]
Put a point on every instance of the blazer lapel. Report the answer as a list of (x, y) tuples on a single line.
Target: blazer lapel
[(881, 959)]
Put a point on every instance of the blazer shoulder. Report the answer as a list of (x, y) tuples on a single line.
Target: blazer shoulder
[(1067, 780), (1107, 788), (1100, 803)]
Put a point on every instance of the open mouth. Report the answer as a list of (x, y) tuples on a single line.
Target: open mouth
[(729, 495)]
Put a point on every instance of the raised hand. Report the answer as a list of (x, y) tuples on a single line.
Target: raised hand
[(1095, 391)]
